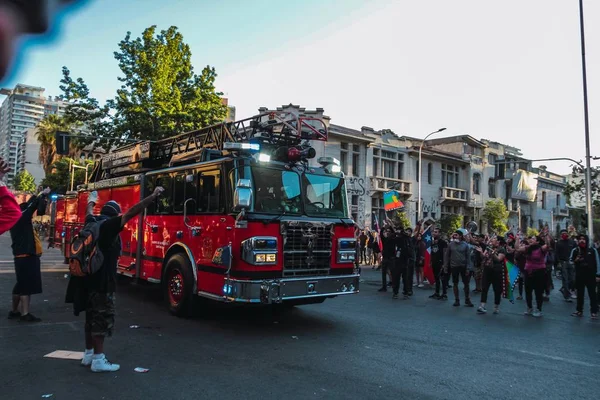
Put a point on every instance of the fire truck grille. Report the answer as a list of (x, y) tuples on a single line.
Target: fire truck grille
[(306, 248)]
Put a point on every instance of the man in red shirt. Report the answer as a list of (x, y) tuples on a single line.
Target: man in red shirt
[(10, 212)]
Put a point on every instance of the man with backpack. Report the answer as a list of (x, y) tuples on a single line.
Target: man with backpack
[(27, 250), (94, 290)]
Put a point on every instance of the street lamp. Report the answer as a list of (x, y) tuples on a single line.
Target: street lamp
[(419, 177), (588, 172)]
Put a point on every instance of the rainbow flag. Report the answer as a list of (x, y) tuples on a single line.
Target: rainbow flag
[(391, 201), (511, 275)]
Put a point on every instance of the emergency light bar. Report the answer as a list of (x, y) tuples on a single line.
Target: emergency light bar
[(329, 160), (241, 146), (331, 164)]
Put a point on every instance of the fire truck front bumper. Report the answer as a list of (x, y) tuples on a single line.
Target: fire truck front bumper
[(275, 291)]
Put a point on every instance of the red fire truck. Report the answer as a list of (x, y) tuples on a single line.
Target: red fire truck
[(245, 216)]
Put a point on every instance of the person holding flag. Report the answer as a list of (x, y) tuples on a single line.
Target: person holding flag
[(493, 258)]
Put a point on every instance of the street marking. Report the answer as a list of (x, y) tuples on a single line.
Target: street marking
[(65, 355), (556, 358), (40, 324), (12, 271)]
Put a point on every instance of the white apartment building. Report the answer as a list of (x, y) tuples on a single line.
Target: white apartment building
[(22, 109)]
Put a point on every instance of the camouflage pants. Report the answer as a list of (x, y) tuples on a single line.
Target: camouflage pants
[(100, 314)]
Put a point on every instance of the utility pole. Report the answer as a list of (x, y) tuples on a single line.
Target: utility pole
[(588, 172)]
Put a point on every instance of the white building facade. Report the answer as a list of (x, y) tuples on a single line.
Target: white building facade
[(22, 109), (459, 175)]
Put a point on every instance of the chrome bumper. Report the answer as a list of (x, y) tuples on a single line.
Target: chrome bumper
[(275, 291)]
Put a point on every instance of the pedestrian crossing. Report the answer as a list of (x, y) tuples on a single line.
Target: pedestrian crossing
[(52, 259)]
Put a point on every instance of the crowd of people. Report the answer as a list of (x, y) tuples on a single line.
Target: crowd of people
[(400, 254)]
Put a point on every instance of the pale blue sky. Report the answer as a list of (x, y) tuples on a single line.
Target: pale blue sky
[(507, 71)]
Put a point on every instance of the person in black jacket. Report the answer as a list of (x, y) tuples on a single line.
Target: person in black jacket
[(388, 254), (564, 247), (27, 249), (437, 263), (401, 260), (587, 269)]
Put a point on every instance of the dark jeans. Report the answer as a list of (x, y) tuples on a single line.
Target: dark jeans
[(363, 255), (491, 276), (398, 271), (466, 279), (535, 281), (586, 279), (410, 273), (386, 264), (441, 279), (549, 281)]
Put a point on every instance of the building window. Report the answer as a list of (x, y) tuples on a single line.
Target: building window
[(344, 157), (492, 188), (543, 200), (430, 173), (417, 170), (400, 170), (476, 184), (388, 168), (378, 210), (449, 176), (558, 201), (355, 159), (375, 165)]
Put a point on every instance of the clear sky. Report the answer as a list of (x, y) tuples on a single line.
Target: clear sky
[(508, 71)]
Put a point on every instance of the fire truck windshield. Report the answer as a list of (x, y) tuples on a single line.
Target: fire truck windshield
[(276, 191), (324, 195), (286, 192)]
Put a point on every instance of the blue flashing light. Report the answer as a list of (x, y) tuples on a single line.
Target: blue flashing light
[(54, 197), (347, 244), (227, 289)]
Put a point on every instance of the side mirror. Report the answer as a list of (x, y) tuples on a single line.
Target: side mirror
[(242, 198)]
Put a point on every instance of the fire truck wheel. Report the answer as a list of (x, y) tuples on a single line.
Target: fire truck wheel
[(178, 284)]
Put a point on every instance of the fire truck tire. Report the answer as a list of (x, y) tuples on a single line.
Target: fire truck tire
[(178, 285)]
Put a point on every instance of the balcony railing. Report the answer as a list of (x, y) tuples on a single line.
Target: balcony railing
[(385, 184), (563, 212), (455, 194)]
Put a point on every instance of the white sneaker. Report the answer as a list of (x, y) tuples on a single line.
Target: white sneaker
[(537, 313), (496, 310), (420, 285), (86, 361), (103, 365), (528, 312)]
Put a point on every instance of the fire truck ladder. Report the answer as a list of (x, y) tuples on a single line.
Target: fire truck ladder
[(271, 129)]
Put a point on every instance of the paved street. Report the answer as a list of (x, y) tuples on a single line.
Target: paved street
[(365, 347)]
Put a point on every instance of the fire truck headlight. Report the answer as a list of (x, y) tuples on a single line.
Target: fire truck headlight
[(260, 250)]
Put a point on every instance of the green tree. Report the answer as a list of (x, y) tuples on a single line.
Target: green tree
[(60, 178), (24, 182), (83, 111), (496, 216), (45, 133), (400, 220), (575, 189), (449, 223), (161, 95)]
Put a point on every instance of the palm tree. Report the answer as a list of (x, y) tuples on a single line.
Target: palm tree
[(46, 134)]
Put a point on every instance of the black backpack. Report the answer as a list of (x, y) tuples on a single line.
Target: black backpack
[(86, 258)]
